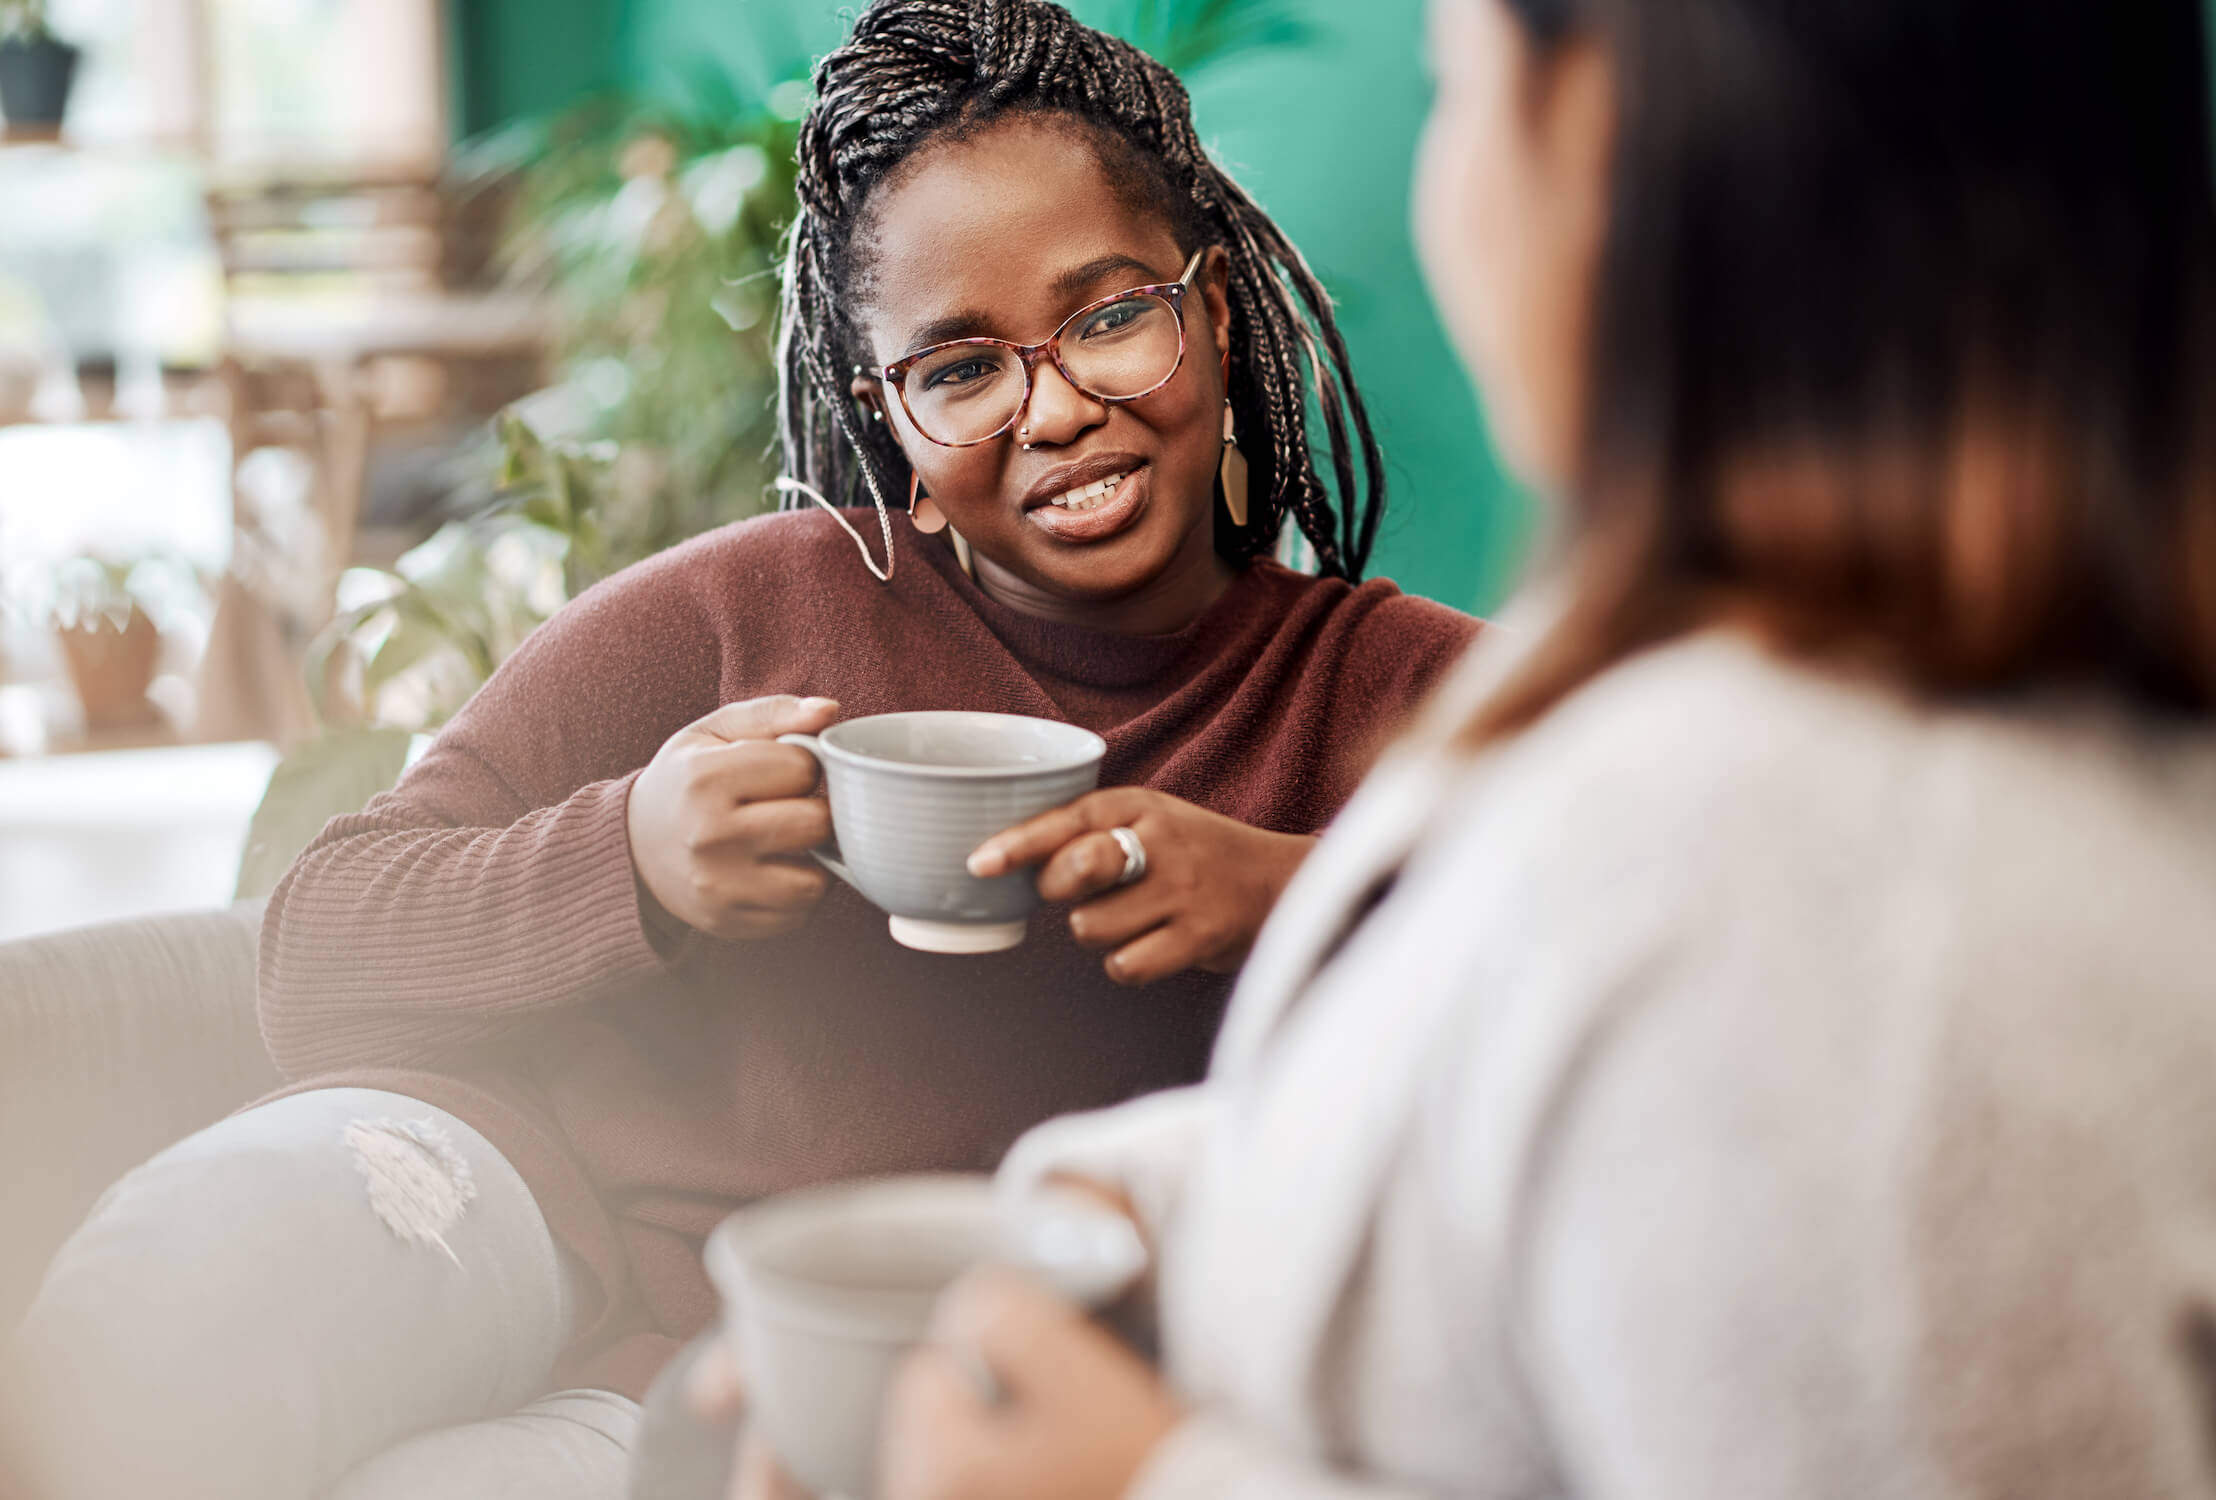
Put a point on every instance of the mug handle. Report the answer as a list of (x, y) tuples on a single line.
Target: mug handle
[(827, 855)]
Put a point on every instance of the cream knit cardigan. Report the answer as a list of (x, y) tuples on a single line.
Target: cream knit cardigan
[(1756, 1087)]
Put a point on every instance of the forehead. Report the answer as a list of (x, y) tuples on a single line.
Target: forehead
[(988, 223)]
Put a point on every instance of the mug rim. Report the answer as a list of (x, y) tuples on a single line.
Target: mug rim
[(1090, 748), (874, 1315)]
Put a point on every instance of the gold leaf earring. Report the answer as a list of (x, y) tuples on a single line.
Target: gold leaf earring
[(922, 509), (1233, 475)]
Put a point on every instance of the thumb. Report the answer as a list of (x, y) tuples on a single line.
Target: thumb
[(1006, 1319), (715, 1387), (767, 718)]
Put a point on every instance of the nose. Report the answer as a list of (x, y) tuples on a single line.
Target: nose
[(1057, 412)]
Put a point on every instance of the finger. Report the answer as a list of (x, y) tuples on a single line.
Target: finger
[(934, 1423), (1169, 949), (1016, 1326), (1082, 868), (758, 1475), (1030, 842), (753, 771), (767, 718), (787, 825), (773, 886), (937, 1390), (747, 897), (745, 924), (1117, 918), (714, 1390)]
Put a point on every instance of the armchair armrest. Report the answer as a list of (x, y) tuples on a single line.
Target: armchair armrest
[(115, 1041)]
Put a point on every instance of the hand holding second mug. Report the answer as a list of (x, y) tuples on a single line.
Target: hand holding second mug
[(715, 1393), (1078, 1417), (719, 818), (1210, 881)]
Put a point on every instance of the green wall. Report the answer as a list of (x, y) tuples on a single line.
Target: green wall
[(1321, 134), (1324, 137), (516, 58)]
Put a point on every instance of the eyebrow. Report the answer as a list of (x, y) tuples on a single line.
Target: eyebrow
[(1069, 286)]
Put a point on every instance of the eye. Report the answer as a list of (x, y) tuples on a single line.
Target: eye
[(961, 372), (1113, 318)]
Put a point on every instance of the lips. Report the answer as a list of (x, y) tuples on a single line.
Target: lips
[(1088, 498), (1091, 496), (1073, 484), (1104, 507)]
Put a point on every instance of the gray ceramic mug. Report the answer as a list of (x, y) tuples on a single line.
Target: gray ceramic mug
[(914, 794), (827, 1290)]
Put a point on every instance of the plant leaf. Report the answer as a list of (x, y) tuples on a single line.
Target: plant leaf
[(412, 639), (323, 779)]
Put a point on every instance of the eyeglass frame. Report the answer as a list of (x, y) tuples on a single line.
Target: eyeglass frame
[(1172, 292)]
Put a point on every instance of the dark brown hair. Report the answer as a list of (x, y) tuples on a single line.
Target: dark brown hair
[(916, 70), (1905, 345)]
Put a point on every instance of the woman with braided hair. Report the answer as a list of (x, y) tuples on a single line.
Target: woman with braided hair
[(572, 991)]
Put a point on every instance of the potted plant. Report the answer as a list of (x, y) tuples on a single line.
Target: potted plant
[(103, 613), (36, 69)]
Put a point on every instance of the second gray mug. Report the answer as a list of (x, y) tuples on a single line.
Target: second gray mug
[(914, 794)]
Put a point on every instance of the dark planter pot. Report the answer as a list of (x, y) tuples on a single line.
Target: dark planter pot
[(35, 77)]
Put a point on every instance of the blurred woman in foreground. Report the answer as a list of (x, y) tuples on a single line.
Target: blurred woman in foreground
[(1762, 1041)]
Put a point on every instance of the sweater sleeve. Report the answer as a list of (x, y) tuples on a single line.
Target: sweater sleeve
[(494, 885), (1144, 1148), (1212, 1457)]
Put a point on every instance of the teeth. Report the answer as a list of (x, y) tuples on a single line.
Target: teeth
[(1090, 496)]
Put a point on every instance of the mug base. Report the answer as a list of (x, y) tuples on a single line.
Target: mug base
[(956, 937)]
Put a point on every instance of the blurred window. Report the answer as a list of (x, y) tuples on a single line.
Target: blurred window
[(353, 83), (262, 83)]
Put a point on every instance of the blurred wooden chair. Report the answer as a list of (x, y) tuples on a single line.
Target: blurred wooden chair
[(358, 308)]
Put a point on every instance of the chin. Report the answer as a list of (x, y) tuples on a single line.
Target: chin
[(1106, 578)]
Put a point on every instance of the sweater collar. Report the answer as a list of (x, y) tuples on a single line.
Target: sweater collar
[(1103, 658)]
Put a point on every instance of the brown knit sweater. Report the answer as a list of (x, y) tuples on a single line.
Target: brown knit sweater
[(475, 937)]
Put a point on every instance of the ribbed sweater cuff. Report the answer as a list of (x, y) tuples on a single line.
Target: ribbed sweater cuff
[(593, 921), (418, 941)]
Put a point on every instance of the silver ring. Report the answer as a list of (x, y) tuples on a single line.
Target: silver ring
[(1134, 855)]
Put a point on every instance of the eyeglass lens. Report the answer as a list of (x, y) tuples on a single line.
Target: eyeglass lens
[(968, 392)]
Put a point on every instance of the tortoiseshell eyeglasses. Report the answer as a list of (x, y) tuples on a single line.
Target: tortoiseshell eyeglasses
[(1124, 346)]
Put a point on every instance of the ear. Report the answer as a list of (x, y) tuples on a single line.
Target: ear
[(868, 392), (1215, 280), (1577, 132)]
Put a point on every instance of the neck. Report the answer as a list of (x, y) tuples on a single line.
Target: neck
[(1168, 603)]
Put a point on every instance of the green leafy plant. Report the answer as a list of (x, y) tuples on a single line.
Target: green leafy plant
[(23, 20), (655, 232), (405, 651), (1189, 36), (408, 646), (90, 589)]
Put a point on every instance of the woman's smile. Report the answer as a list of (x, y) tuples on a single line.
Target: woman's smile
[(1079, 503)]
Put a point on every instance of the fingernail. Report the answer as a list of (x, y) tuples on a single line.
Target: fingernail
[(813, 704), (982, 862)]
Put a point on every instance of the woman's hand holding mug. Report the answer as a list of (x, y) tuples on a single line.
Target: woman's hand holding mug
[(719, 818), (1076, 1415), (1209, 885)]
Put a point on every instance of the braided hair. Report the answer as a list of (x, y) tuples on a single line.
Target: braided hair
[(916, 70)]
